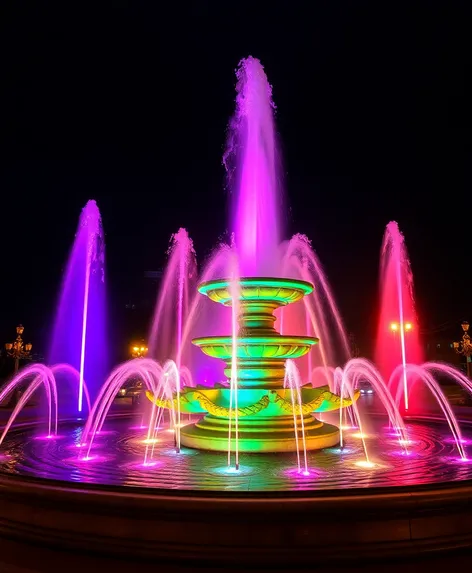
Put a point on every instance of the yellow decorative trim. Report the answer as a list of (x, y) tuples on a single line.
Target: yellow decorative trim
[(312, 406), (166, 404), (223, 412), (211, 407)]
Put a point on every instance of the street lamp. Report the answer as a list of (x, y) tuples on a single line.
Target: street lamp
[(395, 327), (139, 350), (18, 350), (464, 346)]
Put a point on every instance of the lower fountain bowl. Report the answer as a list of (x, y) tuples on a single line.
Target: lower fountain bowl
[(260, 435)]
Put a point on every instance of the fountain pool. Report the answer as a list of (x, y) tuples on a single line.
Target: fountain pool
[(117, 461)]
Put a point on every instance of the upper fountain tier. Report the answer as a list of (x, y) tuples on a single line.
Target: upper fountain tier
[(278, 292)]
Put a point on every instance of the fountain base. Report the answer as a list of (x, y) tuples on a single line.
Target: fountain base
[(261, 434)]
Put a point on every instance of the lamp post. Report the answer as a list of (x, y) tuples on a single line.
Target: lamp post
[(464, 346), (18, 350), (139, 350)]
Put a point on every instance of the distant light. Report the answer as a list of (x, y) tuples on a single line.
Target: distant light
[(394, 326), (408, 326)]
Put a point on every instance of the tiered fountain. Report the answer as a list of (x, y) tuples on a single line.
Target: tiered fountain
[(267, 413)]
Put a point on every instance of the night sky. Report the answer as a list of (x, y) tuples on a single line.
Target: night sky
[(127, 103)]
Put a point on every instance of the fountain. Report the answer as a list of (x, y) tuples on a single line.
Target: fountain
[(256, 355), (79, 334), (398, 339), (280, 462), (265, 408)]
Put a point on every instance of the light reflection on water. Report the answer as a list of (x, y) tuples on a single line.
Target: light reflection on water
[(118, 455)]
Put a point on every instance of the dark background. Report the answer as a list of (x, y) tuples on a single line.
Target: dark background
[(127, 103)]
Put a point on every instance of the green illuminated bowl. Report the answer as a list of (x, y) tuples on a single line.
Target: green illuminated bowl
[(270, 347), (281, 291)]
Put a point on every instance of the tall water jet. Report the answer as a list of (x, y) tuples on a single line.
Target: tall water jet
[(256, 404), (173, 299), (251, 160), (79, 335), (398, 340)]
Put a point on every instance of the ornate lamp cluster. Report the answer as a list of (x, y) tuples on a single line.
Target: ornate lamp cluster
[(139, 350), (396, 327), (464, 346), (17, 349)]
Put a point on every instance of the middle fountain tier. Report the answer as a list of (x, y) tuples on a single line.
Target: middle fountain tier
[(269, 418)]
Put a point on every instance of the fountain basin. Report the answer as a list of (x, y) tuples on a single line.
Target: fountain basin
[(269, 420), (280, 291)]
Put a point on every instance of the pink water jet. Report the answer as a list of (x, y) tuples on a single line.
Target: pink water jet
[(160, 382), (252, 164), (202, 317), (178, 284), (34, 376), (398, 340), (318, 314), (73, 379), (145, 369), (423, 374), (358, 370)]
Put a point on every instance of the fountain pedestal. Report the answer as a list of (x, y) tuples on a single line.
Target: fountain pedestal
[(265, 409)]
